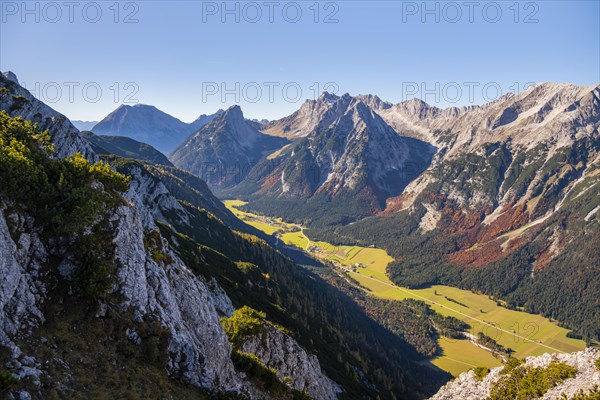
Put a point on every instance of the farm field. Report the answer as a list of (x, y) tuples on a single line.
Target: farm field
[(462, 355), (527, 334)]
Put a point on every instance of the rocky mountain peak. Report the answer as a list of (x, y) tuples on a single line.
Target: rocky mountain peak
[(232, 123), (363, 114), (203, 117), (374, 102), (233, 113), (225, 149), (10, 76), (328, 97)]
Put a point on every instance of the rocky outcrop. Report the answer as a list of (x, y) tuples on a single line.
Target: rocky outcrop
[(10, 76), (199, 350), (22, 255), (293, 364), (151, 197), (18, 102), (190, 307), (466, 386)]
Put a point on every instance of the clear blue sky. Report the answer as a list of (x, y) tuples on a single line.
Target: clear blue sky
[(178, 50)]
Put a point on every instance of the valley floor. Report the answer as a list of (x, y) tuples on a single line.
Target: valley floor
[(526, 334)]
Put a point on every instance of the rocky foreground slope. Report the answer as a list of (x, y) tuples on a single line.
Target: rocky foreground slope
[(152, 288), (585, 379)]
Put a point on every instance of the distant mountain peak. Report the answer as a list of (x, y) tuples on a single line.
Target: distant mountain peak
[(328, 97), (374, 102), (146, 123), (234, 111), (204, 117), (232, 116), (362, 111), (225, 149)]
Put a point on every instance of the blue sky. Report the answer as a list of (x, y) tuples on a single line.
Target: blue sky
[(193, 57)]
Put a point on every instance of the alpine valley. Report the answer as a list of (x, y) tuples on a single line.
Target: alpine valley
[(124, 275)]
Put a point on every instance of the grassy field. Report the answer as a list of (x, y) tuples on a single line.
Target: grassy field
[(462, 355), (526, 334)]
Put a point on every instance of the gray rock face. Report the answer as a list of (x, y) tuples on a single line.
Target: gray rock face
[(20, 288), (220, 299), (350, 150), (307, 118), (199, 349), (18, 102), (152, 198), (588, 375), (190, 307), (22, 255), (10, 76), (281, 352)]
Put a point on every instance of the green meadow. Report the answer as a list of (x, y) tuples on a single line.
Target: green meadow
[(527, 334)]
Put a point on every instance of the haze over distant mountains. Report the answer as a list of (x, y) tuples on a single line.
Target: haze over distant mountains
[(84, 125), (150, 125)]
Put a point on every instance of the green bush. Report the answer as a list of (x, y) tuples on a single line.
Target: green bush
[(244, 322), (481, 373), (253, 366), (510, 365), (258, 372), (66, 197), (246, 266)]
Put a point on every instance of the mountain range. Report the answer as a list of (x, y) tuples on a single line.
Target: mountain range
[(84, 125), (351, 156), (492, 198), (488, 198), (123, 274)]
